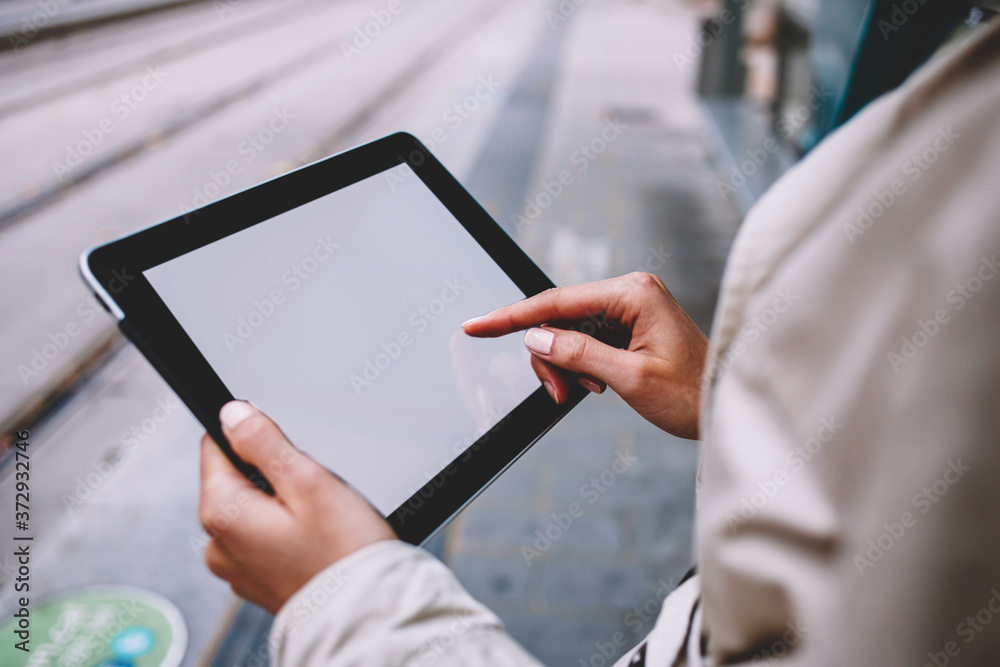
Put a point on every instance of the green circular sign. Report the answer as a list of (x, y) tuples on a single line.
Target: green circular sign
[(107, 626)]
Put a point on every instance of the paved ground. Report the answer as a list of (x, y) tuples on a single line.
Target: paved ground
[(647, 200)]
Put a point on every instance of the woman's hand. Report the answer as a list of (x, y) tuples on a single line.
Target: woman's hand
[(268, 547), (659, 374)]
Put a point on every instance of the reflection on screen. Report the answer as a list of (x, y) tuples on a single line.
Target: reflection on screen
[(342, 320)]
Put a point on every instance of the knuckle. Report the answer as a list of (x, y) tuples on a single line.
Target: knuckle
[(215, 561), (550, 296), (578, 348), (206, 511), (644, 281), (289, 453)]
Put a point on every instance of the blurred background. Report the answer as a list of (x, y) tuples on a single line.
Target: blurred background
[(673, 117)]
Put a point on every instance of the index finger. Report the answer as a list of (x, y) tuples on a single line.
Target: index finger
[(577, 302)]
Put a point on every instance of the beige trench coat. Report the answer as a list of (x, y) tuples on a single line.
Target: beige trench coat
[(849, 490)]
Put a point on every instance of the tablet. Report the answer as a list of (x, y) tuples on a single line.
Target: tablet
[(333, 297)]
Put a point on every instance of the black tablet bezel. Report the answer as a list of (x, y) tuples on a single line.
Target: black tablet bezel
[(116, 274)]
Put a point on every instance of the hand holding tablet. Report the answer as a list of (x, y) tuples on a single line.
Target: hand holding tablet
[(278, 543)]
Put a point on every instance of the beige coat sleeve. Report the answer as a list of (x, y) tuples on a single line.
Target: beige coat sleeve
[(394, 604), (389, 604)]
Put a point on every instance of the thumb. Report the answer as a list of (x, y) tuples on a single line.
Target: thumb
[(579, 353), (256, 439)]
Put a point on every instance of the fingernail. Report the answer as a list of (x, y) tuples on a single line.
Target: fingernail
[(473, 320), (552, 392), (234, 413), (592, 386), (539, 340)]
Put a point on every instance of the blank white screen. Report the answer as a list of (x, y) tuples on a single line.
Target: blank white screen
[(342, 320)]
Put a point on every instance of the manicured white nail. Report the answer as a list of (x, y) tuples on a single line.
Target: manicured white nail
[(234, 413), (552, 392), (539, 340), (473, 320), (590, 385)]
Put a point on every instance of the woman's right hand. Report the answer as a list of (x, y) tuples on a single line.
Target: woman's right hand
[(658, 374)]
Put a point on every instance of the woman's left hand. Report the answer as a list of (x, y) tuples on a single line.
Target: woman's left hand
[(268, 547)]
